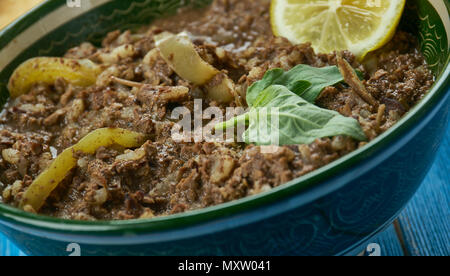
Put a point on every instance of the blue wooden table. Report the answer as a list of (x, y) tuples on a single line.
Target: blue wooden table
[(423, 229)]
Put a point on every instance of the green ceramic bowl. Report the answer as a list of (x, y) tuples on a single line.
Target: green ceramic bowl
[(331, 211)]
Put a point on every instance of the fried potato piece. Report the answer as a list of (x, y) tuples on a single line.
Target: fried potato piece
[(81, 72), (222, 89), (36, 195), (179, 52)]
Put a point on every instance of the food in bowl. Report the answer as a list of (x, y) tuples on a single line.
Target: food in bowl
[(90, 136)]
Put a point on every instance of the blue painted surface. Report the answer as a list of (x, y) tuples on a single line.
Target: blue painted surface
[(389, 243), (426, 221), (424, 225)]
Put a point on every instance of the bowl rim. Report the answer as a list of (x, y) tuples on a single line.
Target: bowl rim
[(316, 179)]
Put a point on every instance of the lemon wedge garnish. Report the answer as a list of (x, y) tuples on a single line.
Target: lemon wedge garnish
[(360, 26)]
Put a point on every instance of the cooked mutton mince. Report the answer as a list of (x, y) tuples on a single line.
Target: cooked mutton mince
[(163, 176)]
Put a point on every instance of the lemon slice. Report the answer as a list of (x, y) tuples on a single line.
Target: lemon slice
[(360, 26)]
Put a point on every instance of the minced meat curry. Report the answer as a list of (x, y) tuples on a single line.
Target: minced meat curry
[(136, 169)]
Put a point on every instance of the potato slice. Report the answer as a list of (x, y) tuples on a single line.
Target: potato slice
[(221, 89), (48, 69), (36, 195), (222, 168), (179, 52)]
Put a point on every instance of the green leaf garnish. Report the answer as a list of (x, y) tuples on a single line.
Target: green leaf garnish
[(282, 109), (297, 121), (294, 80)]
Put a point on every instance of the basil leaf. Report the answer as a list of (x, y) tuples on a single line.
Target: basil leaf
[(294, 80), (269, 78), (282, 116), (265, 99)]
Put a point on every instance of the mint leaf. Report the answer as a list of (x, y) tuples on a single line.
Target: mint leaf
[(295, 80)]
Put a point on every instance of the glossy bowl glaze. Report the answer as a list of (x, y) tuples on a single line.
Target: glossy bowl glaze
[(331, 211)]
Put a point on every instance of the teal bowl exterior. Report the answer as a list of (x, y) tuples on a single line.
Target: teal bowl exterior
[(332, 211)]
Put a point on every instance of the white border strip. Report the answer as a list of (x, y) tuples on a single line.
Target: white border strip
[(47, 24)]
